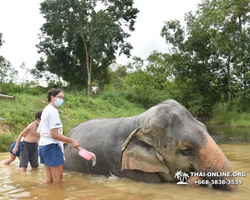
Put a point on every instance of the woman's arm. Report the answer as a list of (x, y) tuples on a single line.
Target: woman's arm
[(54, 134)]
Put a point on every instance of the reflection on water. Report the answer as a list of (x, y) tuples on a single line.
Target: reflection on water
[(229, 134), (14, 185)]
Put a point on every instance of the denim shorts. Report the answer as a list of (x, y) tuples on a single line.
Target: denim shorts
[(51, 155), (12, 147)]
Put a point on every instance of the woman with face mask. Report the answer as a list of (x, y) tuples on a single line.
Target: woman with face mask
[(52, 138)]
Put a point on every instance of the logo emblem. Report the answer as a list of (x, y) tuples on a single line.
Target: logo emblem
[(182, 177)]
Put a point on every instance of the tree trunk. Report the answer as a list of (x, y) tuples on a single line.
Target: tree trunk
[(89, 77), (229, 79), (229, 89), (89, 65)]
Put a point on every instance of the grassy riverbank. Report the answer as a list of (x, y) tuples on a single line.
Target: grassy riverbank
[(222, 114), (20, 111)]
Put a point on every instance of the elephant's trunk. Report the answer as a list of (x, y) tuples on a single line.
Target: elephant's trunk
[(212, 159)]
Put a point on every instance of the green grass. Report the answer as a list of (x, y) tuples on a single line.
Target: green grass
[(5, 142), (78, 108), (223, 115), (240, 119), (241, 122)]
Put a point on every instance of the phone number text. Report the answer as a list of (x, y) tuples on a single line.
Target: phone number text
[(219, 182)]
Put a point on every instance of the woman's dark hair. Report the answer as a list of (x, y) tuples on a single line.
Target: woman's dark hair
[(38, 114), (53, 92)]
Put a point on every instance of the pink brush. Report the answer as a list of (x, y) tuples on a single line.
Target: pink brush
[(87, 155)]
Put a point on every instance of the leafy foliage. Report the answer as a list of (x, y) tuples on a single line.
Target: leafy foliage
[(5, 142), (208, 63), (1, 39), (80, 41), (7, 72), (209, 56), (145, 87)]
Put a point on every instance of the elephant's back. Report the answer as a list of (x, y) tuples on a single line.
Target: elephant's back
[(104, 137), (98, 131)]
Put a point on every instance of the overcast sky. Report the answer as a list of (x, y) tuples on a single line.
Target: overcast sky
[(20, 22)]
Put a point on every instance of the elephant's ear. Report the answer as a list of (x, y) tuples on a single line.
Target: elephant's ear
[(138, 154)]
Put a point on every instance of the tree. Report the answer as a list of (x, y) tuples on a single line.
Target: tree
[(141, 82), (158, 65), (7, 72), (79, 38), (1, 41), (229, 20), (210, 53)]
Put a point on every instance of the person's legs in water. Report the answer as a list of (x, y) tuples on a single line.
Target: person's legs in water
[(12, 158), (56, 173), (48, 175), (12, 155), (52, 157)]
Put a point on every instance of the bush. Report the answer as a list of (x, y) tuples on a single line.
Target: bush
[(221, 113), (20, 111), (5, 142), (114, 97), (199, 106), (25, 88), (140, 88)]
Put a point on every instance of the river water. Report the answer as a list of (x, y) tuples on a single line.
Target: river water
[(233, 141)]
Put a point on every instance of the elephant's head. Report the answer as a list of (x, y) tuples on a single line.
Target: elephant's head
[(168, 140)]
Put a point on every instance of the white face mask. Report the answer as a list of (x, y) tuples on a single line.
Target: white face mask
[(58, 102)]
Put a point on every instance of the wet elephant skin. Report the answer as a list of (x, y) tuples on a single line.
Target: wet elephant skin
[(150, 147)]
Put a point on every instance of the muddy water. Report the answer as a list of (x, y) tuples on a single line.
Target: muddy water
[(14, 185), (229, 134)]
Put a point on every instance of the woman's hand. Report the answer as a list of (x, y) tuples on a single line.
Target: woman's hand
[(75, 144)]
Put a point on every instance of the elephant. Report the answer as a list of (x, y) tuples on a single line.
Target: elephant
[(150, 147)]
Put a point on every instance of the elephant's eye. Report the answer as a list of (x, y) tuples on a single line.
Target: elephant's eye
[(187, 151)]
